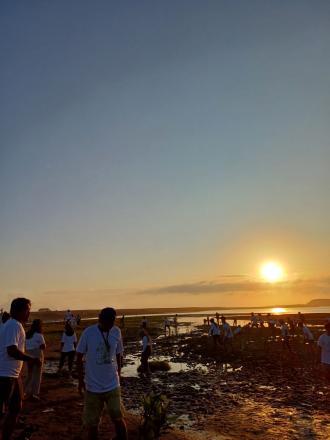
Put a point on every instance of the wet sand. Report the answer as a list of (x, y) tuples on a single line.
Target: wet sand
[(257, 391)]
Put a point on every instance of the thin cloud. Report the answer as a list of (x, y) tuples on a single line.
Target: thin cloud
[(321, 285)]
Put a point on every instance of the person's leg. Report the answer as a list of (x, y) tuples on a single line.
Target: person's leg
[(62, 360), (28, 381), (36, 379), (116, 412), (71, 355), (93, 407), (143, 362), (14, 407)]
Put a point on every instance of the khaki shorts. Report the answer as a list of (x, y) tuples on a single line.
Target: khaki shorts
[(95, 402)]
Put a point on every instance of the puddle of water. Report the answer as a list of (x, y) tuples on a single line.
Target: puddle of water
[(266, 387), (132, 362)]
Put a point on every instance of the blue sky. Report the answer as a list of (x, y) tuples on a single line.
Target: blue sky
[(158, 143)]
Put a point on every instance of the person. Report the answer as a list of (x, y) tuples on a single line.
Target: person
[(12, 356), (215, 333), (235, 322), (122, 322), (68, 315), (208, 320), (35, 345), (68, 347), (167, 325), (175, 323), (227, 333), (301, 318), (217, 317), (292, 326), (285, 334), (146, 350), (308, 335), (78, 319), (254, 320), (5, 317), (101, 345), (144, 322), (260, 320), (324, 351)]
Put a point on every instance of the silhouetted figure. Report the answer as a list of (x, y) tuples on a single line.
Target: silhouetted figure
[(146, 351), (68, 347), (214, 332)]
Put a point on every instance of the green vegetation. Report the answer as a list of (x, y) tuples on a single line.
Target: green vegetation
[(155, 415)]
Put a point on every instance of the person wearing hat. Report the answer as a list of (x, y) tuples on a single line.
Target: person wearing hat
[(102, 347)]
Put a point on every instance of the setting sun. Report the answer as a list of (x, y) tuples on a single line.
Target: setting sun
[(271, 272)]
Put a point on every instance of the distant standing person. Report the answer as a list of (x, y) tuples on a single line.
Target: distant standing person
[(167, 325), (285, 334), (12, 356), (217, 317), (324, 351), (144, 322), (68, 347), (301, 318), (215, 333), (102, 346), (5, 317), (175, 323), (35, 345), (146, 351), (227, 333), (254, 320)]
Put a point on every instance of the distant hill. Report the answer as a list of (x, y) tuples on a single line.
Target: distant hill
[(319, 303)]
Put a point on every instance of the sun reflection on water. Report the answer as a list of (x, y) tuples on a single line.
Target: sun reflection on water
[(278, 310)]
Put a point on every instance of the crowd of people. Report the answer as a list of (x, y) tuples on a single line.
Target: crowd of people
[(100, 346), (99, 354)]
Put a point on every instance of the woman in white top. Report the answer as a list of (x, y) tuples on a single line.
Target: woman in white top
[(35, 346), (68, 347), (324, 351), (146, 350)]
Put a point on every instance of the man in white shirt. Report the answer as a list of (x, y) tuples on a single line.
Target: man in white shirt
[(102, 346), (12, 356), (324, 350)]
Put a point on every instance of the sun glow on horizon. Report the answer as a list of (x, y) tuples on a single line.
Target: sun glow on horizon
[(272, 272), (278, 310)]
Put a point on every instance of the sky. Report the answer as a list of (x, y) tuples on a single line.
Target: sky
[(157, 153)]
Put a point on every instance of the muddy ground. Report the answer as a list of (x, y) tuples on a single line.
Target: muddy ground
[(258, 390)]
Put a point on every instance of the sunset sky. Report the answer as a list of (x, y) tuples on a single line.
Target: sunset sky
[(157, 153)]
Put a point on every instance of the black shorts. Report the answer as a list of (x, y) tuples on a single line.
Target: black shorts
[(11, 393)]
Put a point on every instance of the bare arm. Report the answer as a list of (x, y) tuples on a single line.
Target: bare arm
[(80, 371), (17, 354)]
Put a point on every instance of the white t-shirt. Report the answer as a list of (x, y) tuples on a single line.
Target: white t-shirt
[(227, 330), (307, 333), (12, 333), (324, 343), (214, 330), (68, 342), (101, 371), (35, 342), (237, 330)]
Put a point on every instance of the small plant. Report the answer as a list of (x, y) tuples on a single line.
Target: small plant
[(155, 417)]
